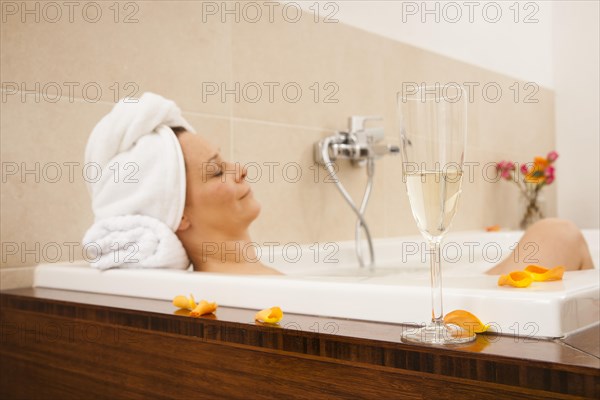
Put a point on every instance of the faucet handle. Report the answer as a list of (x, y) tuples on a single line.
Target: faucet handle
[(357, 122), (369, 136)]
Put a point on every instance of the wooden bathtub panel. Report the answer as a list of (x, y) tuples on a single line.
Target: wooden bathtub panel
[(53, 349)]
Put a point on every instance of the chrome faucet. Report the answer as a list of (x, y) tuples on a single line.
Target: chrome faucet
[(361, 146), (358, 144)]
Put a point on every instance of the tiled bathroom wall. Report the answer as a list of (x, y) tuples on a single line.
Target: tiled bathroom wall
[(59, 78)]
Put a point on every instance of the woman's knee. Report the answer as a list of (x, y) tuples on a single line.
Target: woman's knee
[(558, 229), (561, 239), (554, 224)]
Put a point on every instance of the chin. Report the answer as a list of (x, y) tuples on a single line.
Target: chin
[(254, 210), (248, 212)]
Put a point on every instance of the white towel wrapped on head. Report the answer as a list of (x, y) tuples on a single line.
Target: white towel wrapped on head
[(134, 241), (140, 196)]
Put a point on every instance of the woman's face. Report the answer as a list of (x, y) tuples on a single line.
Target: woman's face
[(218, 198)]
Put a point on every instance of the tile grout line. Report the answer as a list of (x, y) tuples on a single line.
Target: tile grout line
[(205, 115)]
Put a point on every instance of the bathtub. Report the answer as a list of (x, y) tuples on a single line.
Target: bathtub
[(325, 279)]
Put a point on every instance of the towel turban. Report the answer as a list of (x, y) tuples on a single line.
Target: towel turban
[(139, 196)]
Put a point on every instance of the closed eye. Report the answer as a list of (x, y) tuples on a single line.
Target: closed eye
[(215, 165)]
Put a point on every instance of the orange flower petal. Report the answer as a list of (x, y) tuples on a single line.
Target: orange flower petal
[(519, 279), (541, 274), (465, 320), (269, 315), (540, 162), (536, 269), (204, 307), (493, 228)]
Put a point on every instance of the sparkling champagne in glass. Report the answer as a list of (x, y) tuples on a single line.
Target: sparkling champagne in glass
[(433, 128)]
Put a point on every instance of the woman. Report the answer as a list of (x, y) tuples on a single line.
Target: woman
[(188, 203), (219, 207), (162, 195)]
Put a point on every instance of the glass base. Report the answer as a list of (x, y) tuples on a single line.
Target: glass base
[(439, 333)]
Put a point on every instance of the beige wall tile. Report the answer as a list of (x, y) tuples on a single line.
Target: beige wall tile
[(504, 120), (480, 201), (13, 278), (406, 66), (344, 62), (169, 50), (512, 127), (216, 130), (55, 209)]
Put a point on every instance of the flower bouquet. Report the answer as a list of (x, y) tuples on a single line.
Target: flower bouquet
[(533, 177)]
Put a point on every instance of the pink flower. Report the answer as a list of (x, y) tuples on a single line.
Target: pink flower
[(549, 174), (552, 156), (524, 169), (505, 168)]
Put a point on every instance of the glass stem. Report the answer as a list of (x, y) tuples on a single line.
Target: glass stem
[(437, 312)]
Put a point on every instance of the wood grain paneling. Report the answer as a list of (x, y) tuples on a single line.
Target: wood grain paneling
[(136, 348)]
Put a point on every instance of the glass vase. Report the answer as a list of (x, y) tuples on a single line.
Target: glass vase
[(532, 210)]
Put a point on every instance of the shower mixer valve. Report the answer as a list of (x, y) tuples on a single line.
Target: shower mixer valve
[(361, 146), (357, 144)]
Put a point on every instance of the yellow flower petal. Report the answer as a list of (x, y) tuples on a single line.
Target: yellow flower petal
[(465, 320), (181, 302), (532, 178), (184, 302), (204, 307), (269, 315), (519, 279), (541, 274), (192, 302)]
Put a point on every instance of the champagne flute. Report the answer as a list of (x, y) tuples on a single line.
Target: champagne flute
[(433, 127)]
